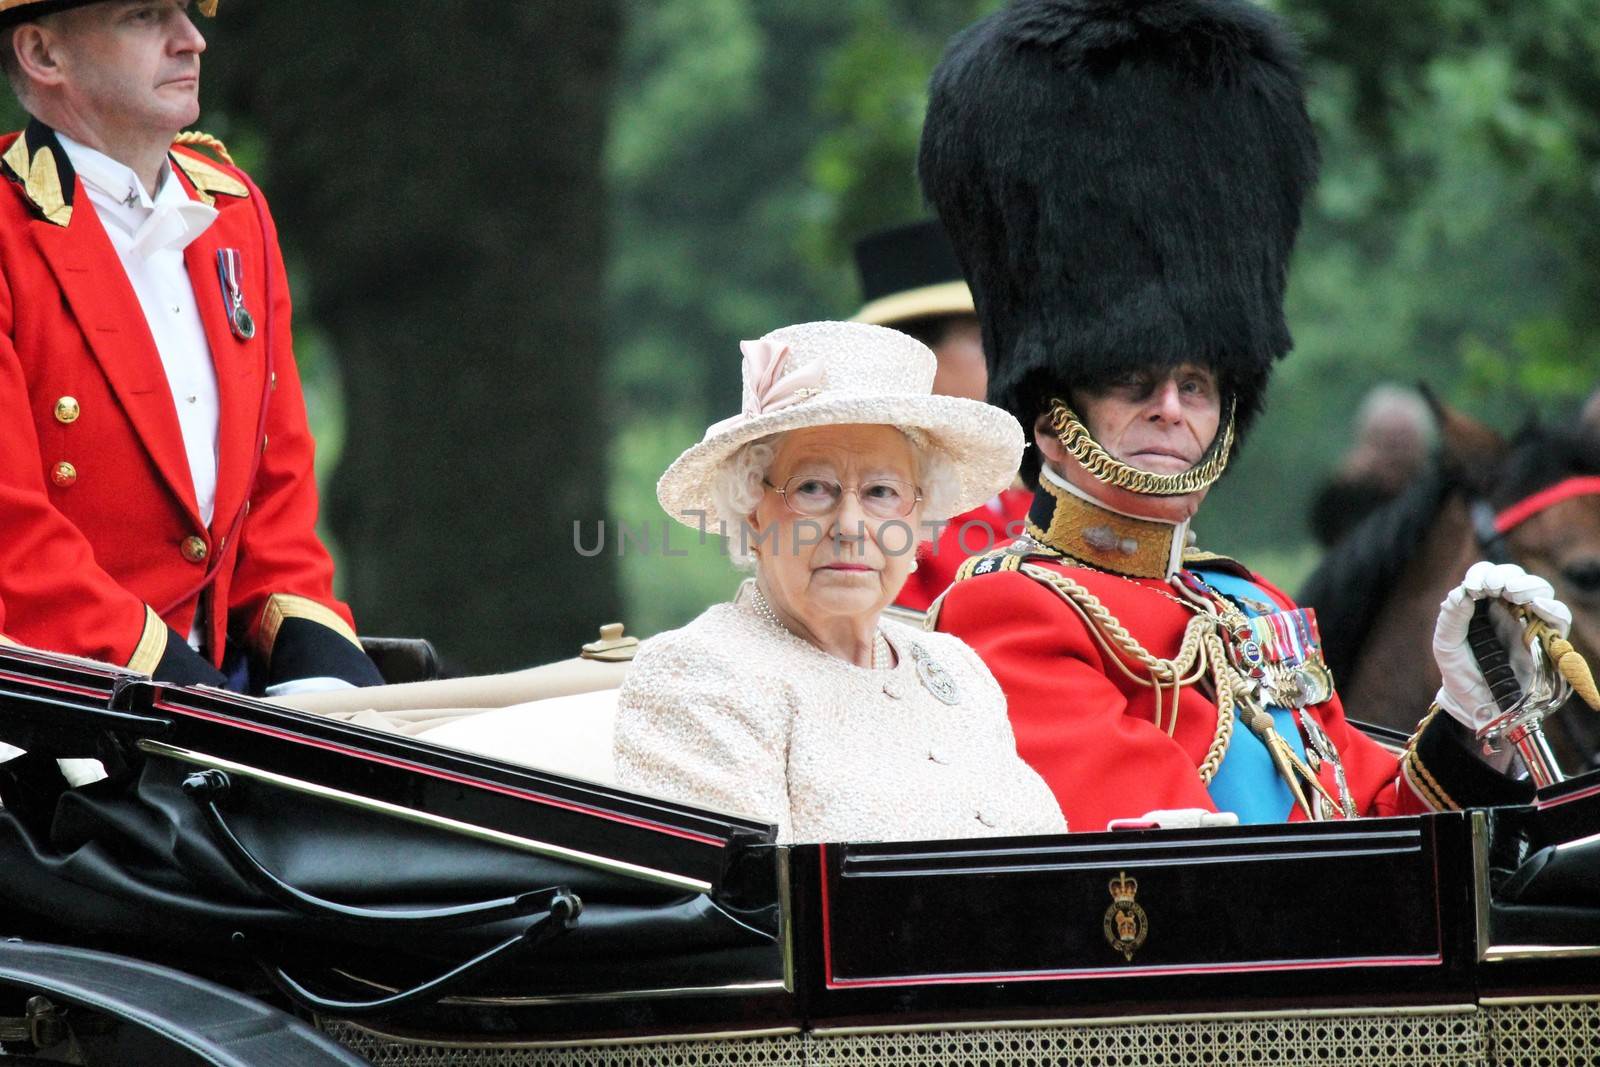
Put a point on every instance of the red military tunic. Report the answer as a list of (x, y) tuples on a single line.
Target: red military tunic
[(985, 528), (1091, 730), (104, 544)]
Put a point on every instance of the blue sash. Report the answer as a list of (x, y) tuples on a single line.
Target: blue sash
[(1247, 783)]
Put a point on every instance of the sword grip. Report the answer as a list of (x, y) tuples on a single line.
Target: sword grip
[(1493, 659)]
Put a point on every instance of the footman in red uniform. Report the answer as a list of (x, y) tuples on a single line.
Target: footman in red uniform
[(156, 487), (1123, 183)]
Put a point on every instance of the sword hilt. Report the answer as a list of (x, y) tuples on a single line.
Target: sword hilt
[(1494, 660)]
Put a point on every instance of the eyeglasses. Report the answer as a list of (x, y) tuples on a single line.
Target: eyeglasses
[(813, 497)]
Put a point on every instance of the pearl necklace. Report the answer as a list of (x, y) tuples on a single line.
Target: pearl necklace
[(880, 644)]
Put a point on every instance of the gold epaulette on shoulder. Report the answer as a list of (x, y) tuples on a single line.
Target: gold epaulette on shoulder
[(1002, 559), (991, 562), (207, 177), (40, 178)]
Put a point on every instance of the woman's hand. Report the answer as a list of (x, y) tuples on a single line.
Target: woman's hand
[(1465, 693)]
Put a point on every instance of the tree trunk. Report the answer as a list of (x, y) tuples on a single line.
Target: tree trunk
[(439, 169)]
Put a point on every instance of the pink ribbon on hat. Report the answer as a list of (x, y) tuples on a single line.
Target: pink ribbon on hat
[(766, 389)]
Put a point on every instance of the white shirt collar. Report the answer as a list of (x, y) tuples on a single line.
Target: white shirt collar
[(169, 220), (113, 179)]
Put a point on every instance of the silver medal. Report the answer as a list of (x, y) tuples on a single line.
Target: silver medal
[(244, 326)]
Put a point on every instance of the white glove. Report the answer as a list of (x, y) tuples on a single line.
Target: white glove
[(1465, 694), (1175, 819), (307, 685)]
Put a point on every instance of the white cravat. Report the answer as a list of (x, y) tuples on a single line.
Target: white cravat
[(149, 236)]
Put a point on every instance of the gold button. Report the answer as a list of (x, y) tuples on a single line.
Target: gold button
[(67, 410), (63, 474), (263, 442), (193, 549)]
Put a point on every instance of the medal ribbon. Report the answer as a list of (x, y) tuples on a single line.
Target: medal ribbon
[(230, 272), (1284, 638)]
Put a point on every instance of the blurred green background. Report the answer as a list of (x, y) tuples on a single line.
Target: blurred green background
[(575, 212)]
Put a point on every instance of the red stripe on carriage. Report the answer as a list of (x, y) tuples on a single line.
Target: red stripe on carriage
[(448, 776), (1139, 972), (61, 687)]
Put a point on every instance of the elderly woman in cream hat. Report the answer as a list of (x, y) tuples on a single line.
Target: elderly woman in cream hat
[(799, 702)]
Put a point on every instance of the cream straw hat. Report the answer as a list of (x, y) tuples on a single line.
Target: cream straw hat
[(847, 373)]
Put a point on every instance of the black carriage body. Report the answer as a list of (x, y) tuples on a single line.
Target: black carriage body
[(698, 923)]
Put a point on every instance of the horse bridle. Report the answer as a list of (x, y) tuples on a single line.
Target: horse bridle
[(1489, 529)]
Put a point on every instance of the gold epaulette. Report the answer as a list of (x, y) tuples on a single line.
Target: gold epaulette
[(1001, 559), (37, 171), (209, 179)]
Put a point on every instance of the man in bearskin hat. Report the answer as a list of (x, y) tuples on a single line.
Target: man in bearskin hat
[(1122, 181), (156, 486), (910, 281)]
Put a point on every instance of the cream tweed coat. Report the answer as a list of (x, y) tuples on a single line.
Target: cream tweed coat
[(738, 715)]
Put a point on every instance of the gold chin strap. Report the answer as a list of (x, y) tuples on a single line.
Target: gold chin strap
[(1075, 438), (208, 8)]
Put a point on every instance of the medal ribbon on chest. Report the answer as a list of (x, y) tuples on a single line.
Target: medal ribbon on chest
[(1283, 653), (1277, 660), (230, 272)]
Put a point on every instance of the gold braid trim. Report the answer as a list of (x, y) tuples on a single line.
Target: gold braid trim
[(283, 606), (1200, 652), (1418, 777), (152, 644), (205, 140), (1076, 439)]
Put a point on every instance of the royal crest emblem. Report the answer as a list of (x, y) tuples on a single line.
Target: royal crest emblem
[(1126, 925)]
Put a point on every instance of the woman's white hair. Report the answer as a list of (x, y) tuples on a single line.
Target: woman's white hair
[(739, 484)]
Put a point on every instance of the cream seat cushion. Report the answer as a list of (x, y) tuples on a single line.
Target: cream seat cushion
[(569, 735)]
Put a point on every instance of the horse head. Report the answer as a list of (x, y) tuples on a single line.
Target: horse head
[(1532, 499)]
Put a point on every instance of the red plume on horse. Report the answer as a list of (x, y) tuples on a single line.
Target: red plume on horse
[(1533, 500)]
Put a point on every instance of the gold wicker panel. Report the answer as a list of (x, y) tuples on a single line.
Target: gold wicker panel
[(1553, 1034), (1387, 1040), (1393, 1039), (787, 1050)]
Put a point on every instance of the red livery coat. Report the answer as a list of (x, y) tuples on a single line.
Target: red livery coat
[(988, 526), (1090, 731), (93, 560)]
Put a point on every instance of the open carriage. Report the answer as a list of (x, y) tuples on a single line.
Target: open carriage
[(424, 905)]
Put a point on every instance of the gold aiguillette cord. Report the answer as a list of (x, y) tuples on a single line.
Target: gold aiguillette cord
[(1573, 667)]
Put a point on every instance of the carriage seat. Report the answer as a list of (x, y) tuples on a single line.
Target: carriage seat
[(557, 716), (568, 735)]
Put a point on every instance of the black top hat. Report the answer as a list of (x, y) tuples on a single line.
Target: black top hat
[(1122, 182), (910, 272)]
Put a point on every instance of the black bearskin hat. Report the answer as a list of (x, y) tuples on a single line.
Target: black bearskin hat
[(1122, 181)]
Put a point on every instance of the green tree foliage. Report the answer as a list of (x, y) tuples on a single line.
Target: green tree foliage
[(1453, 238), (712, 207)]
